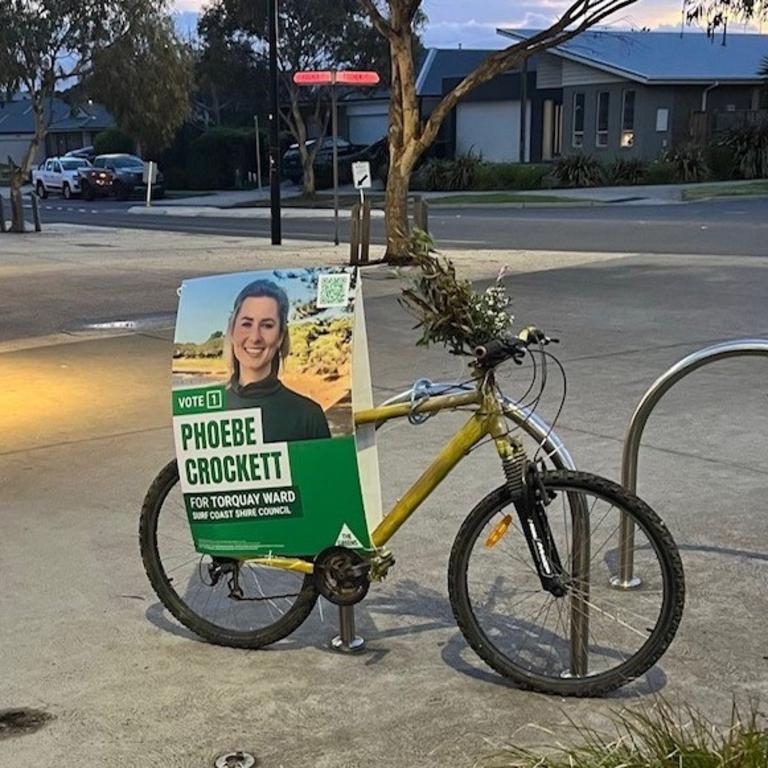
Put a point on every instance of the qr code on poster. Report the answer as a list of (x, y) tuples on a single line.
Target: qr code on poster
[(333, 290)]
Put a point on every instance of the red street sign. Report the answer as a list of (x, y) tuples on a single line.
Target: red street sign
[(357, 78), (313, 78), (351, 77)]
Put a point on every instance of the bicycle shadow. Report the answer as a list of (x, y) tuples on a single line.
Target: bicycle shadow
[(413, 600)]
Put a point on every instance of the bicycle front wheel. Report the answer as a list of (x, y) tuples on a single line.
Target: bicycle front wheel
[(592, 639), (197, 589)]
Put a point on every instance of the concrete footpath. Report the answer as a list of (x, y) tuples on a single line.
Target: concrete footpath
[(86, 425)]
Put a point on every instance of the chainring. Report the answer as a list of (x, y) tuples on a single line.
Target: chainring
[(341, 576)]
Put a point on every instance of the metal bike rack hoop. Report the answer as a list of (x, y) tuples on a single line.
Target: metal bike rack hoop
[(737, 348)]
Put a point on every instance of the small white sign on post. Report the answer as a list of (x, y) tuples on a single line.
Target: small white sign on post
[(149, 177), (361, 174)]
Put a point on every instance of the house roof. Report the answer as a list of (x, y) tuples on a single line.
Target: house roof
[(17, 117), (664, 57), (442, 63)]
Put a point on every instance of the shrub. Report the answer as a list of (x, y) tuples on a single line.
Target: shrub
[(750, 149), (579, 171), (509, 176), (626, 171), (217, 154), (113, 140), (658, 735), (661, 172), (689, 162), (447, 175), (721, 161)]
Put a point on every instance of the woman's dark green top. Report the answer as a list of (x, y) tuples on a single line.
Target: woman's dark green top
[(285, 415)]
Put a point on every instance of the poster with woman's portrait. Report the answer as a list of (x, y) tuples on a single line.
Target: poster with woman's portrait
[(262, 410)]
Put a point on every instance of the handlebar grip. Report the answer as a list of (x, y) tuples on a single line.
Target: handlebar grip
[(493, 349)]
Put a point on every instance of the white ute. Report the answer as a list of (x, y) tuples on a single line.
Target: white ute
[(59, 174)]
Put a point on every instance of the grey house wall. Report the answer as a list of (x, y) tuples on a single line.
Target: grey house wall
[(649, 144)]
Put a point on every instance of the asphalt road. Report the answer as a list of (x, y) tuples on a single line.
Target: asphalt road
[(728, 227)]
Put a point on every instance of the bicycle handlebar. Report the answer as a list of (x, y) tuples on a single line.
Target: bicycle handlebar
[(497, 351)]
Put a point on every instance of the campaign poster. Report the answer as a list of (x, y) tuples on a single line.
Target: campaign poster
[(262, 412)]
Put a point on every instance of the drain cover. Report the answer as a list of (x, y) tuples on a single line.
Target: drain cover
[(235, 760), (17, 722)]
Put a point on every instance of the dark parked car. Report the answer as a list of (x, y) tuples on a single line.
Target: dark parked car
[(128, 171), (291, 165), (95, 182)]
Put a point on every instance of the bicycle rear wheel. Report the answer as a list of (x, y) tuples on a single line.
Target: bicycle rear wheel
[(274, 601), (594, 638)]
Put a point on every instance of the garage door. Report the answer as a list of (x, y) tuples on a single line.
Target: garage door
[(492, 129), (367, 122), (365, 129)]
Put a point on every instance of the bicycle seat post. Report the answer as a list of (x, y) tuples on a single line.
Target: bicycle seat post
[(347, 641)]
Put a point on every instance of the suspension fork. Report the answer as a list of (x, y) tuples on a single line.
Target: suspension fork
[(530, 498)]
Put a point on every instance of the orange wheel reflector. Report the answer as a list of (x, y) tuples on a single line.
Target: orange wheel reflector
[(498, 532)]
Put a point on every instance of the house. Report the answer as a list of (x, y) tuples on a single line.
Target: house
[(68, 127), (637, 94), (486, 122)]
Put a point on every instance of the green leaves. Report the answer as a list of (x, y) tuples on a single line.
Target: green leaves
[(145, 78), (449, 311)]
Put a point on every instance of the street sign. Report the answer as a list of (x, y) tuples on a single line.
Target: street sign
[(150, 173), (313, 78), (361, 174), (357, 78), (327, 77)]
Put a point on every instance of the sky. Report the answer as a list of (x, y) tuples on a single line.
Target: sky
[(452, 23)]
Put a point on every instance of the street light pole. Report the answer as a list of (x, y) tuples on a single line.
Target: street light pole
[(274, 136), (335, 131), (258, 151)]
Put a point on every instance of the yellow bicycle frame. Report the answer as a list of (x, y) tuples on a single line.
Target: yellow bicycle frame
[(487, 420)]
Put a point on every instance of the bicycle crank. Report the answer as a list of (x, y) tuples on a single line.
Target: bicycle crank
[(341, 575)]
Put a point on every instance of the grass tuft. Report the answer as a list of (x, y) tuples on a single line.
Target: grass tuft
[(659, 736)]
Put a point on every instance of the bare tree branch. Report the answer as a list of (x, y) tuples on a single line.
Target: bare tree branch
[(379, 22)]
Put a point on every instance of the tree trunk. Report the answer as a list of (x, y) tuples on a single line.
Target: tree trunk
[(17, 205), (396, 207), (20, 173), (308, 169), (405, 145)]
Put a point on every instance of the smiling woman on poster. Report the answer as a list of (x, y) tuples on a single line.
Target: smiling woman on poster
[(255, 344)]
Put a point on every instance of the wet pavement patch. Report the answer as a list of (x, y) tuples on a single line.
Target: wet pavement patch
[(19, 722), (154, 321)]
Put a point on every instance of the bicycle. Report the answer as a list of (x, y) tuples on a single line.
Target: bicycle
[(530, 591)]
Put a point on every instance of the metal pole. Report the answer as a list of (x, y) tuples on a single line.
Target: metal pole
[(347, 641), (738, 348), (149, 184), (258, 151), (335, 126), (523, 108), (274, 136)]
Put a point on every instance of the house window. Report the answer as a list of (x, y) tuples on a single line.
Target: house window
[(662, 120), (601, 119), (578, 120), (628, 119)]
